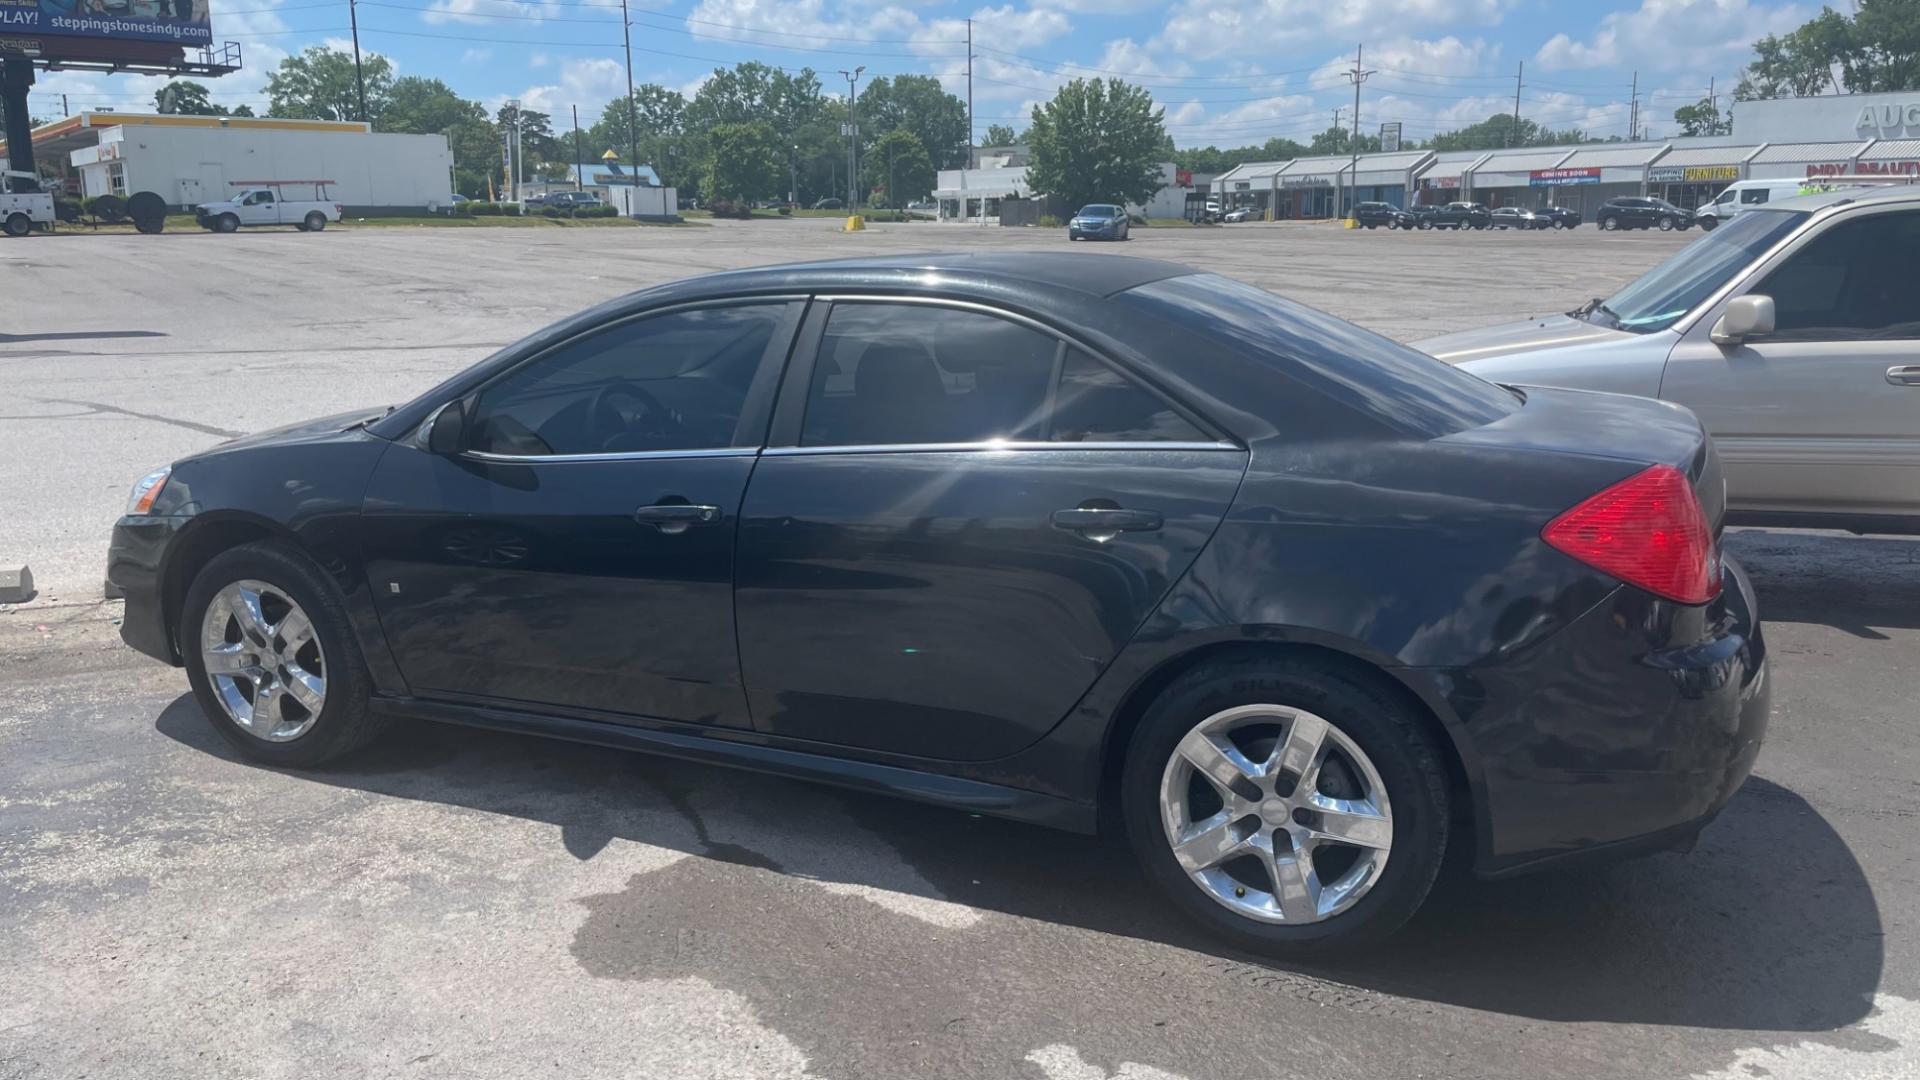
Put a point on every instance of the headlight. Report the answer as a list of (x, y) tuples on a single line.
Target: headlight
[(144, 493)]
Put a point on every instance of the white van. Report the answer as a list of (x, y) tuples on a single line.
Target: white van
[(1744, 193)]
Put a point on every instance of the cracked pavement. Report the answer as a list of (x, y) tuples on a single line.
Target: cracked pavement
[(458, 903)]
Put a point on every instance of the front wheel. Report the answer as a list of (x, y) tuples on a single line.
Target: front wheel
[(316, 221), (226, 223), (1288, 807), (272, 657), (1559, 224), (19, 225)]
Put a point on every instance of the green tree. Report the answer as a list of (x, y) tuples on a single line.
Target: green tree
[(898, 165), (319, 84), (663, 140), (1340, 140), (1702, 118), (916, 103), (1097, 142), (241, 110), (753, 92), (743, 162), (476, 156), (537, 141), (426, 106), (1876, 50), (1000, 135), (1499, 130), (183, 97)]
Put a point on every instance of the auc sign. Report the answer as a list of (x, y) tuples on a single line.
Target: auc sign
[(1890, 117)]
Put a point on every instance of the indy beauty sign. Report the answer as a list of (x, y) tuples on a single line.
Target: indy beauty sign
[(177, 22)]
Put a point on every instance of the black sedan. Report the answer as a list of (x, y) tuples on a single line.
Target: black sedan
[(1518, 217), (1375, 215), (1066, 540), (1632, 212), (1462, 215), (1560, 217)]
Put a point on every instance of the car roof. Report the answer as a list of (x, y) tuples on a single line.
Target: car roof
[(1850, 196), (1094, 276)]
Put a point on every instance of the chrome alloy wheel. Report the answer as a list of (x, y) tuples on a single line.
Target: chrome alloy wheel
[(264, 660), (1276, 814)]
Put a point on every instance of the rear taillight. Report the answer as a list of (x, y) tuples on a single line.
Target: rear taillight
[(1647, 530)]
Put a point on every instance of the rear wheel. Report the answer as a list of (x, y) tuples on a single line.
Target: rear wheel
[(1287, 806), (272, 658), (1610, 224), (1707, 224), (316, 221), (1666, 223)]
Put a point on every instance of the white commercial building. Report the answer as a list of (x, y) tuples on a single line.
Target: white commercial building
[(193, 159)]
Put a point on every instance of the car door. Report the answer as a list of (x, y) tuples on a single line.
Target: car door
[(577, 551), (258, 208), (1823, 414), (960, 520)]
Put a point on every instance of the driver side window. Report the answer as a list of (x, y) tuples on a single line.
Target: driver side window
[(677, 381)]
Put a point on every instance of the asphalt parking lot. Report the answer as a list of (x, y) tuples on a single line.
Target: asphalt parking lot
[(455, 903)]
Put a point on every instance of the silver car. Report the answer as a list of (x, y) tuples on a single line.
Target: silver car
[(1793, 331)]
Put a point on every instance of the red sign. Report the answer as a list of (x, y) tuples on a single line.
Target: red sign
[(1183, 177), (1557, 177)]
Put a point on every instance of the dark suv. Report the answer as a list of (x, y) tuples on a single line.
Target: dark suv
[(1373, 215), (1560, 217), (1632, 212), (1462, 215)]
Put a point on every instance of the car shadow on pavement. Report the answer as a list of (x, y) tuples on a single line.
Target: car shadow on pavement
[(1851, 583), (1769, 924)]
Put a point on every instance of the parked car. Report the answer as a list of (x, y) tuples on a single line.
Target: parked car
[(574, 200), (1038, 499), (1099, 221), (1744, 194), (1373, 215), (1560, 217), (1462, 215), (1635, 212), (1237, 214), (1423, 216), (1518, 217), (830, 203), (268, 206), (26, 207), (1793, 331)]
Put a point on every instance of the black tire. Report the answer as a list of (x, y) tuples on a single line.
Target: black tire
[(151, 226), (1708, 224), (315, 222), (346, 720), (1425, 225), (1399, 743), (226, 223), (1667, 223), (19, 225), (1609, 224)]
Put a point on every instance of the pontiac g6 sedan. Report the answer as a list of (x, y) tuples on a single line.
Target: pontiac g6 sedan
[(1068, 540)]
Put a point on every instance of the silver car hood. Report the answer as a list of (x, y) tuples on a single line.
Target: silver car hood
[(1553, 332)]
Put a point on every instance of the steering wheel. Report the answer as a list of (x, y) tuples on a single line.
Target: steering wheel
[(619, 430)]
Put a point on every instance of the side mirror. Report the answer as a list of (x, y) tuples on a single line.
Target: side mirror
[(1746, 317), (447, 431)]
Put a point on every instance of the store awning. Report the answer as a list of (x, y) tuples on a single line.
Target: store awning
[(1814, 151), (1688, 156), (1515, 168), (1892, 150)]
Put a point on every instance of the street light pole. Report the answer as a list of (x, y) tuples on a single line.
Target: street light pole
[(793, 176), (633, 111), (1353, 170), (853, 137)]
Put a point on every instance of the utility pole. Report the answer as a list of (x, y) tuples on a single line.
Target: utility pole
[(1513, 130), (513, 152), (853, 137), (1713, 102), (970, 162), (1358, 76), (63, 106), (359, 79), (633, 111), (1633, 110), (579, 166)]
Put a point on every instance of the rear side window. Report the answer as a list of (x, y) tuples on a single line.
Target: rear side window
[(910, 374), (1382, 378), (1753, 196)]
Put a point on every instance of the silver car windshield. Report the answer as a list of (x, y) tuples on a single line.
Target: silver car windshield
[(1663, 294)]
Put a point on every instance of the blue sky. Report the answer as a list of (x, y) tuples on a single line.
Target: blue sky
[(1229, 72)]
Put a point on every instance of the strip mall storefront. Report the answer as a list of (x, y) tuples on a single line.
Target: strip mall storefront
[(1690, 187)]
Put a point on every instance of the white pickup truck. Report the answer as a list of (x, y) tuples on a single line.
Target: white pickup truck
[(20, 212), (268, 206)]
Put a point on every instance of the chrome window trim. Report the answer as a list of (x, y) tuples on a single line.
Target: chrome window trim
[(631, 455), (991, 446)]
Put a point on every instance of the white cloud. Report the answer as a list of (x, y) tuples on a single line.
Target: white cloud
[(1671, 35), (1208, 29), (590, 84), (476, 56), (539, 60)]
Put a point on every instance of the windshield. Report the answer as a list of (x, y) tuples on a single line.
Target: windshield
[(1096, 211), (1663, 294)]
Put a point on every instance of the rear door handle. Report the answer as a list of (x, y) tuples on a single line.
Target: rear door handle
[(1904, 375), (671, 518), (1101, 525)]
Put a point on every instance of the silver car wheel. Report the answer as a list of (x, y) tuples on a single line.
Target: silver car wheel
[(264, 660), (1276, 814)]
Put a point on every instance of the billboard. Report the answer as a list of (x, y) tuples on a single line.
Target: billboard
[(1562, 177), (1390, 137), (172, 22)]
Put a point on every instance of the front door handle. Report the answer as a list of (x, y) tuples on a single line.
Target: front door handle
[(672, 518), (1100, 524), (1904, 375)]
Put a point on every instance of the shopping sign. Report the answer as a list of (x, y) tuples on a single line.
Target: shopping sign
[(1562, 177), (1692, 174), (179, 22)]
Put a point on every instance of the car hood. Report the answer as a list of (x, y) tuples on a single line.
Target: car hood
[(316, 430), (1553, 332), (215, 206)]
